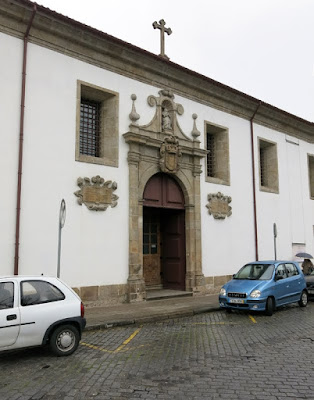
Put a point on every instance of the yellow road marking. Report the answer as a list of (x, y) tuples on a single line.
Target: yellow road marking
[(127, 341), (252, 319)]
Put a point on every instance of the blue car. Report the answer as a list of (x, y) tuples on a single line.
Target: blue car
[(264, 286)]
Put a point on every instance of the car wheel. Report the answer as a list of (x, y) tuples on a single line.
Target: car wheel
[(270, 306), (64, 340), (303, 299)]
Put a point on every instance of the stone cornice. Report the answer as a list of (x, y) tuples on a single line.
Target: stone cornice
[(69, 37)]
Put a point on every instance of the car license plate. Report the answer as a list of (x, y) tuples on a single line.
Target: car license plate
[(237, 301)]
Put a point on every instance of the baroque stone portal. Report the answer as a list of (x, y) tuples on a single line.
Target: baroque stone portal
[(96, 193), (218, 205), (157, 146)]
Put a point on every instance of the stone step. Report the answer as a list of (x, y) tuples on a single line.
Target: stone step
[(160, 294)]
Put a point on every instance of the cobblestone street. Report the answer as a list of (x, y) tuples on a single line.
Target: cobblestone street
[(208, 356)]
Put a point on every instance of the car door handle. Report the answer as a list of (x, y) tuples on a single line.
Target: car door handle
[(11, 317)]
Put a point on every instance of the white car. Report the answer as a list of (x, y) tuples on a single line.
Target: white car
[(37, 311)]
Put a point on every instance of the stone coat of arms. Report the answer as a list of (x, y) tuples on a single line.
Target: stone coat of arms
[(96, 193), (169, 155), (218, 205)]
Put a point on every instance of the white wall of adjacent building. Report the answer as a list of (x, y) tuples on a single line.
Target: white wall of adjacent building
[(95, 244)]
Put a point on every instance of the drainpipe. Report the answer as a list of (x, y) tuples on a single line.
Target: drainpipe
[(20, 163), (253, 177)]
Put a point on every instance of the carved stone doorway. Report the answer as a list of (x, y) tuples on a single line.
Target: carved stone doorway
[(161, 151), (164, 256)]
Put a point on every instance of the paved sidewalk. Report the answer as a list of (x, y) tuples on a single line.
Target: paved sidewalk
[(148, 311)]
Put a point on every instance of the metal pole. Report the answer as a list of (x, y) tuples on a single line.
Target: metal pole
[(275, 235), (62, 215)]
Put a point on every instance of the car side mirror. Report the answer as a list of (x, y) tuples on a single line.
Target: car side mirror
[(278, 277)]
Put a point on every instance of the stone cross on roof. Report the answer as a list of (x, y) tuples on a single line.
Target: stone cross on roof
[(163, 30)]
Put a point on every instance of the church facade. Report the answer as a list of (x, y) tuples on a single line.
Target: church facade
[(170, 179)]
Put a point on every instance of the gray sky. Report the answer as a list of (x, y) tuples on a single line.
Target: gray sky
[(264, 48)]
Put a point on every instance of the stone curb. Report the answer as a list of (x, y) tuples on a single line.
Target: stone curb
[(152, 318)]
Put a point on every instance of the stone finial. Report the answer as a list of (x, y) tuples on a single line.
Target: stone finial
[(195, 132), (134, 116), (163, 30)]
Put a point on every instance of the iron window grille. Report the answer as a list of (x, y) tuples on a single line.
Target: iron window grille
[(211, 155), (90, 128), (263, 167)]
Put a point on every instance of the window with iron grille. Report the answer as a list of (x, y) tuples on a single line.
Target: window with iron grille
[(90, 128), (97, 125), (211, 155), (263, 166), (217, 160), (311, 175), (268, 166)]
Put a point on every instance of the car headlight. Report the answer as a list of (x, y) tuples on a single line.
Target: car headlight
[(256, 293), (223, 291)]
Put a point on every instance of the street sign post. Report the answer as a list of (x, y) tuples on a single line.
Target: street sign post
[(275, 236), (62, 216)]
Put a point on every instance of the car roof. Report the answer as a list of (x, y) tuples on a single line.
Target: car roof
[(30, 277), (272, 262)]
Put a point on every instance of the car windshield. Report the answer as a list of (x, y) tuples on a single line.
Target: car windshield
[(260, 272)]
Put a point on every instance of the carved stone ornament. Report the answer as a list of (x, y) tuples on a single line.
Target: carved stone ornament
[(134, 116), (96, 194), (169, 155), (218, 205)]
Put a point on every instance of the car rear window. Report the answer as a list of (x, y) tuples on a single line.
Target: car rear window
[(39, 292)]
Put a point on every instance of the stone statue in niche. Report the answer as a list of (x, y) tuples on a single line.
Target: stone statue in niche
[(166, 119), (96, 193)]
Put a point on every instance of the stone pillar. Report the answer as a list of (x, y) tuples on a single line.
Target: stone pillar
[(135, 281), (199, 276), (190, 247)]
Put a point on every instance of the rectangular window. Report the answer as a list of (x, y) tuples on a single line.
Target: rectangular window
[(97, 136), (268, 166), (90, 128), (217, 161), (211, 155), (311, 175)]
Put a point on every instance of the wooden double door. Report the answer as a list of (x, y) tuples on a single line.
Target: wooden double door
[(164, 234)]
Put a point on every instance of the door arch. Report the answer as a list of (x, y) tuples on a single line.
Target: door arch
[(163, 191), (164, 256)]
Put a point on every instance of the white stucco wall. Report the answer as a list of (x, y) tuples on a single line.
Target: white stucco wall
[(95, 244), (10, 83)]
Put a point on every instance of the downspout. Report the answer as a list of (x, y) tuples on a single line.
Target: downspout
[(254, 185), (20, 162)]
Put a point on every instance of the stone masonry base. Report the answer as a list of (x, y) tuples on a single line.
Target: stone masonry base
[(97, 296)]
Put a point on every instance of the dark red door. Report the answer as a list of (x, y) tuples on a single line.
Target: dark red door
[(162, 192), (173, 250)]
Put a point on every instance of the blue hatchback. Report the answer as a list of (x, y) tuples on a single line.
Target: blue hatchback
[(263, 286)]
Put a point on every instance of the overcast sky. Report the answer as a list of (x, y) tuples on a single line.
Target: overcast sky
[(264, 48)]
